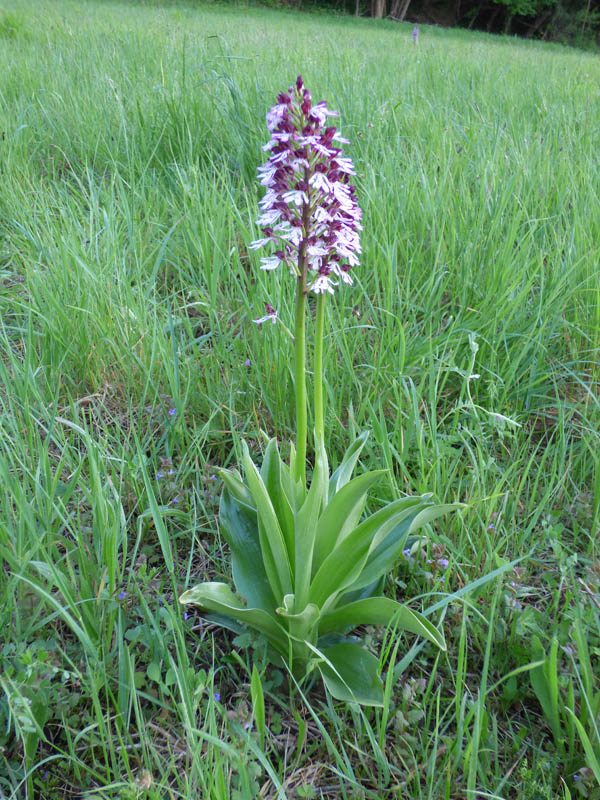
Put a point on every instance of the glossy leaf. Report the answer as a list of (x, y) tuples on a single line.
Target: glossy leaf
[(380, 611), (342, 568), (351, 674), (219, 598), (300, 625), (236, 487), (384, 555), (342, 515), (306, 526), (239, 525), (272, 478), (272, 542), (343, 473)]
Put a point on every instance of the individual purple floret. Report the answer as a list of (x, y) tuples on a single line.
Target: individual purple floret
[(271, 314), (309, 214)]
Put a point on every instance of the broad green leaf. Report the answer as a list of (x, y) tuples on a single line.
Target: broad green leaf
[(288, 486), (380, 611), (351, 674), (219, 598), (236, 487), (239, 525), (342, 515), (272, 478), (384, 555), (273, 546), (306, 527), (342, 568), (432, 512), (300, 625), (343, 473)]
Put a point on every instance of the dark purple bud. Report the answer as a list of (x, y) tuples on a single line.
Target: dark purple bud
[(305, 107), (284, 99), (299, 83)]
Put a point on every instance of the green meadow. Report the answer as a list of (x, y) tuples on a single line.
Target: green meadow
[(131, 371)]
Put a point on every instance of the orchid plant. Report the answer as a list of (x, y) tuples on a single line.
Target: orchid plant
[(308, 569)]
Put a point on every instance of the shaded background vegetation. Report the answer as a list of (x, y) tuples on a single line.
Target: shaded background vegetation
[(571, 22)]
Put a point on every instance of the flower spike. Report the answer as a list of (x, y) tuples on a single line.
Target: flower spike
[(309, 211)]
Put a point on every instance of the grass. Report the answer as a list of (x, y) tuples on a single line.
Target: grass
[(130, 135)]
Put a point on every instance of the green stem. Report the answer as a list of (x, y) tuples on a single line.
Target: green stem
[(318, 377), (300, 378)]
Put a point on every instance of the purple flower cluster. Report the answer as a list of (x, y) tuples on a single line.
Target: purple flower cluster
[(309, 212)]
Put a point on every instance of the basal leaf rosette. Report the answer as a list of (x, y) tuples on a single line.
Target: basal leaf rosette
[(308, 571)]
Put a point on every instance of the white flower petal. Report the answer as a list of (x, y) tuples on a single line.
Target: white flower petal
[(270, 262)]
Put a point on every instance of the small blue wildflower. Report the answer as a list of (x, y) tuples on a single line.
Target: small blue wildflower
[(45, 775), (577, 777), (159, 475), (213, 478), (491, 527), (122, 595), (443, 562), (217, 697), (406, 553), (186, 615), (172, 412), (176, 500), (247, 363), (171, 472)]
